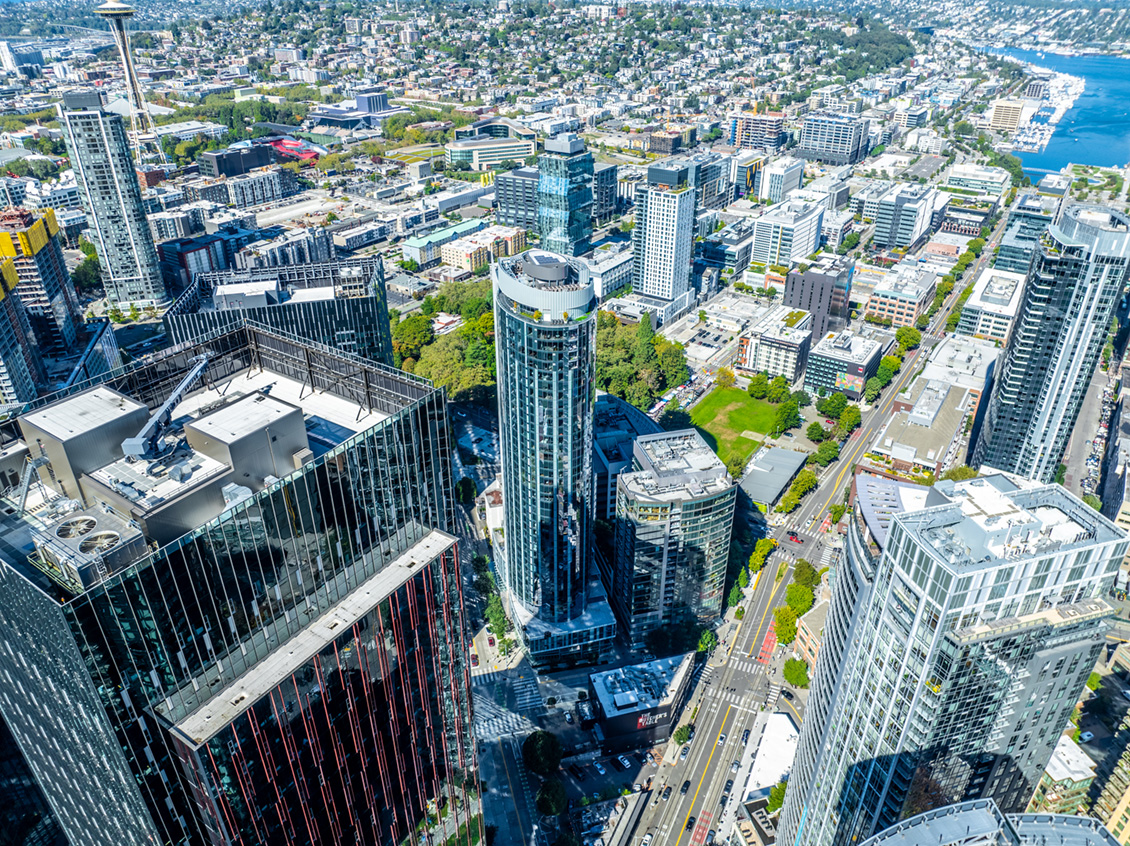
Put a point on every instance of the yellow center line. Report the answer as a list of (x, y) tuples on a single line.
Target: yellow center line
[(757, 637), (705, 770), (738, 630), (513, 795), (794, 710)]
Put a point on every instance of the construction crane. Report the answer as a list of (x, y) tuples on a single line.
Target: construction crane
[(146, 443)]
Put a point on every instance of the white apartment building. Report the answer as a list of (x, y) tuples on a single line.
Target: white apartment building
[(787, 233)]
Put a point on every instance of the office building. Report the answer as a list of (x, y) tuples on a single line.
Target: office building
[(565, 180), (291, 246), (426, 250), (609, 268), (616, 425), (974, 177), (1110, 792), (212, 639), (980, 823), (1029, 217), (545, 336), (1007, 115), (16, 56), (639, 705), (906, 214), (842, 361), (912, 116), (1075, 282), (961, 634), (1065, 782), (235, 161), (341, 304), (31, 241), (991, 308), (674, 515), (833, 138), (745, 174), (708, 173), (764, 131), (787, 234), (486, 152), (777, 344), (111, 198), (495, 127), (516, 192), (663, 238), (21, 365), (779, 178), (823, 289), (903, 295), (730, 248), (604, 181)]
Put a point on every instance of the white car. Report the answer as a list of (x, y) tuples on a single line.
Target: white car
[(599, 767), (624, 761)]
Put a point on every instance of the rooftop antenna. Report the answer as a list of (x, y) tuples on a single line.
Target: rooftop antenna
[(117, 13)]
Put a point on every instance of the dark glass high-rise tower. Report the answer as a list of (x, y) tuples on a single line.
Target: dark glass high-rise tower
[(545, 325), (245, 626), (1076, 278), (565, 195)]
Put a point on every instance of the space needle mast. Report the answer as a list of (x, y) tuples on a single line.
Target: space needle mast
[(141, 122)]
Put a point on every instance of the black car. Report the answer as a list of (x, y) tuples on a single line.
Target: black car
[(683, 790), (722, 800), (745, 736), (666, 793), (787, 694), (690, 823), (616, 763), (690, 736), (729, 785), (577, 772)]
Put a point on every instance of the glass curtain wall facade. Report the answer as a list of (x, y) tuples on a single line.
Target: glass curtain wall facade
[(974, 640), (353, 318), (294, 669), (565, 199), (111, 195), (674, 516), (546, 335), (1074, 284)]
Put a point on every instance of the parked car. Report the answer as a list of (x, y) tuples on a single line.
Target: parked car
[(599, 767), (569, 717), (745, 737), (787, 694), (735, 766), (666, 793), (624, 762), (1086, 736), (683, 755), (686, 786)]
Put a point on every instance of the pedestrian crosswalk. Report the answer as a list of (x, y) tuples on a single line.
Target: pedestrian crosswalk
[(527, 694), (487, 678), (828, 557), (493, 720), (747, 665)]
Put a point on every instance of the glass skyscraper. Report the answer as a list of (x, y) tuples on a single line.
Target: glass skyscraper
[(565, 199), (545, 325), (963, 626), (342, 304), (1075, 281), (674, 516), (253, 632), (111, 197)]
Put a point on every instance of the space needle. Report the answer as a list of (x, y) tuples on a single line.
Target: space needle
[(117, 13)]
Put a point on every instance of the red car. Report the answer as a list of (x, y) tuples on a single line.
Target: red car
[(490, 641), (474, 659)]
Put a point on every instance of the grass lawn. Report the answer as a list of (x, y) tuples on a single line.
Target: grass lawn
[(725, 414)]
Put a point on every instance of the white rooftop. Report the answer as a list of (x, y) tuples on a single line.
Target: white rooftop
[(1069, 762), (83, 412), (776, 750), (245, 417)]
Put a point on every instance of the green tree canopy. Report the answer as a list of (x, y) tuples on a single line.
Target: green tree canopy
[(816, 433), (832, 406), (796, 673), (542, 752), (776, 797), (785, 618), (779, 390), (805, 574), (682, 735), (799, 597), (551, 799), (758, 386), (788, 416), (959, 473)]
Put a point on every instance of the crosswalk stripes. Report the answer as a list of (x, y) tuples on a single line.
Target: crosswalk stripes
[(486, 678), (527, 694), (493, 720), (828, 557)]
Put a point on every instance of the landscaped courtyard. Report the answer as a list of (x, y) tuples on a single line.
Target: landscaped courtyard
[(731, 421)]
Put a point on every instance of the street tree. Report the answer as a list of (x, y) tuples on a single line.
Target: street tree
[(542, 752)]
